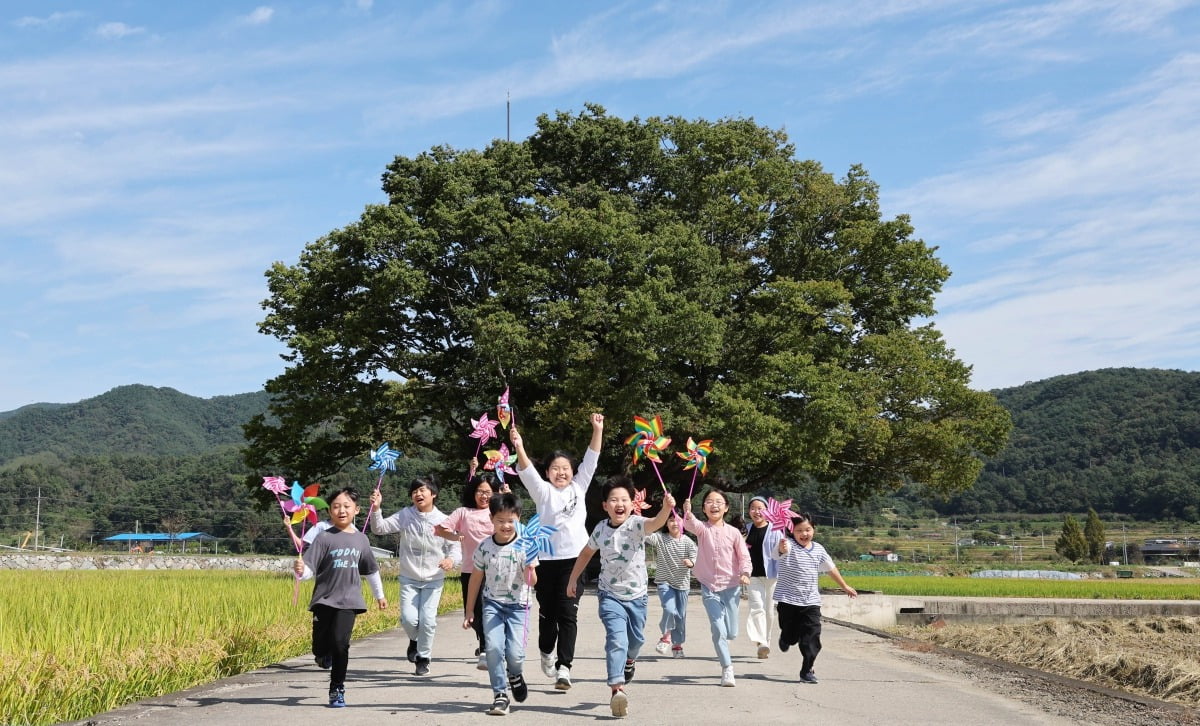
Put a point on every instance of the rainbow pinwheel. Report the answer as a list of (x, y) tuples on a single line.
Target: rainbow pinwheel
[(533, 538), (384, 458), (639, 501), (304, 503), (779, 514), (503, 410), (697, 459), (500, 461), (647, 439)]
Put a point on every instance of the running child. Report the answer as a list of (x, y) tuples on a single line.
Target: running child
[(560, 503), (722, 566), (674, 558), (621, 542), (502, 579), (424, 560), (797, 597), (469, 525), (338, 558), (760, 540)]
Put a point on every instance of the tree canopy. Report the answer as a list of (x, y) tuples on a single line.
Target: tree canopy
[(687, 268)]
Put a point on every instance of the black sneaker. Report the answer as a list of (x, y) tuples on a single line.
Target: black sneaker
[(520, 690), (337, 697), (324, 661), (412, 651), (808, 677), (628, 671), (422, 666), (499, 705)]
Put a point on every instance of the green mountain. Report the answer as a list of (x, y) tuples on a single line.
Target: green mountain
[(128, 420), (1119, 440)]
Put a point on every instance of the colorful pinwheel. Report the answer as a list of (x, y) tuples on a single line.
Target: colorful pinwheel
[(639, 501), (500, 461), (697, 459), (383, 459), (304, 504), (533, 538), (779, 514), (503, 410), (648, 440)]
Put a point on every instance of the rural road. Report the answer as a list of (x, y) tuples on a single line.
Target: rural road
[(864, 680)]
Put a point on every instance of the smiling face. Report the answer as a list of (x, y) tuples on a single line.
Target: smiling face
[(758, 513), (422, 499), (803, 532), (483, 493), (559, 472), (342, 511), (715, 507), (673, 526), (618, 506), (505, 524)]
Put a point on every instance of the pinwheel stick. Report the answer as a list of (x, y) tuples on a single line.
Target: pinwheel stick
[(371, 506), (659, 475)]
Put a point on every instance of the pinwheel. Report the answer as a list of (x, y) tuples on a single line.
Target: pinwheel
[(304, 504), (383, 459), (697, 459), (500, 461), (503, 410), (648, 440), (639, 501), (779, 514), (533, 538)]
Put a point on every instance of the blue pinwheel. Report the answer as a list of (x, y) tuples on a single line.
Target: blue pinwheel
[(533, 538), (383, 459)]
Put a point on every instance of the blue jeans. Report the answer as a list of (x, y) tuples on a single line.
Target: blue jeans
[(418, 611), (722, 609), (624, 632), (674, 613), (504, 641)]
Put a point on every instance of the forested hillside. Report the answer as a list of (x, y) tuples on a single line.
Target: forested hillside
[(1120, 440)]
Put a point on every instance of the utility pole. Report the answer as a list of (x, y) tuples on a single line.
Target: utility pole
[(508, 116), (1124, 545), (37, 522)]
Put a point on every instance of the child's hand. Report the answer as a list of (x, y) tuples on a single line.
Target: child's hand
[(447, 564), (571, 589), (515, 436), (744, 579), (298, 567), (783, 547), (472, 466), (467, 622), (504, 488), (377, 499), (668, 500), (850, 591), (382, 603), (689, 564), (597, 422)]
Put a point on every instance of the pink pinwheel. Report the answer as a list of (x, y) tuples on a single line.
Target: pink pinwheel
[(500, 461), (503, 410), (275, 484), (483, 429), (304, 504), (779, 514), (639, 501)]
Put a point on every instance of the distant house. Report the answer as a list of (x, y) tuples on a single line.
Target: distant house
[(1168, 550), (148, 541), (883, 555)]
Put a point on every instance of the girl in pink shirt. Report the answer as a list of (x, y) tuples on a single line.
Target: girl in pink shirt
[(470, 524), (722, 567)]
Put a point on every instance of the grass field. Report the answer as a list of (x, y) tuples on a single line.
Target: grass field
[(1158, 589), (77, 643)]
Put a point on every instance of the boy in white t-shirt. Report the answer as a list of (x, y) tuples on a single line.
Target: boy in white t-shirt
[(620, 540)]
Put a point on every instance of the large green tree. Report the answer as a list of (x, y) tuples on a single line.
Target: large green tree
[(1093, 532), (692, 269), (1072, 544)]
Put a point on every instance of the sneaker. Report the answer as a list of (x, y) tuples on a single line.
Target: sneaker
[(499, 705), (563, 683), (422, 667), (548, 665), (628, 671), (677, 651), (727, 677), (519, 689), (481, 663), (809, 677), (324, 661), (763, 652), (664, 644), (412, 651), (619, 703), (337, 697)]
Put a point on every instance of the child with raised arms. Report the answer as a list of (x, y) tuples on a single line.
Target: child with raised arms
[(503, 579), (424, 560), (674, 558), (797, 596), (338, 558), (722, 567), (560, 502), (621, 542)]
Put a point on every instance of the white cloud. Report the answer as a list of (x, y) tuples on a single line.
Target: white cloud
[(56, 18), (117, 30), (259, 16)]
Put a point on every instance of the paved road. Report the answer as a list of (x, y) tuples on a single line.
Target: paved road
[(864, 680)]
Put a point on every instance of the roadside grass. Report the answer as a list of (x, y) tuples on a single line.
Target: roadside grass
[(1092, 588), (77, 643)]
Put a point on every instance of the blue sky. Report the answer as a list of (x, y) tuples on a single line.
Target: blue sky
[(158, 157)]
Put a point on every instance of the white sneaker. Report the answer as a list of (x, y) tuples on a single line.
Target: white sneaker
[(619, 704), (727, 677), (662, 647), (563, 683), (481, 664), (548, 665)]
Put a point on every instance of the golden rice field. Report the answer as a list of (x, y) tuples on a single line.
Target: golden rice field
[(1102, 589), (77, 643)]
